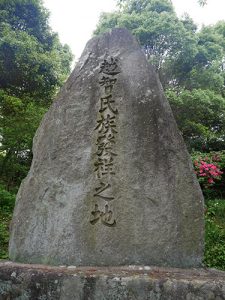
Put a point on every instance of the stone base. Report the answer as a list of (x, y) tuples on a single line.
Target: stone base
[(39, 282)]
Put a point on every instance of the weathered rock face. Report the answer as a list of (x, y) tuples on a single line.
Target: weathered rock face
[(111, 182)]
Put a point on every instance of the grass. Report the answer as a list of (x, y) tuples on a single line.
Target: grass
[(7, 201), (215, 234), (4, 233)]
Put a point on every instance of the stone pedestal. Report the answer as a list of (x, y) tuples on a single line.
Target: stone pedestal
[(39, 282)]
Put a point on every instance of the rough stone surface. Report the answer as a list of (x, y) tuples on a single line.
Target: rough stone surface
[(111, 182), (36, 282)]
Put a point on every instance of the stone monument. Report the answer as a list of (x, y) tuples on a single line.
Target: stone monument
[(111, 182)]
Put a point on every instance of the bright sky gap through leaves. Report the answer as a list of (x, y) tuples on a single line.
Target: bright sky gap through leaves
[(76, 20)]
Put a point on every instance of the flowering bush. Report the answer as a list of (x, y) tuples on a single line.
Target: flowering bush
[(210, 171), (207, 172)]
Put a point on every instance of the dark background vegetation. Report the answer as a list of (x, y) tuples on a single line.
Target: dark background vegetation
[(189, 61)]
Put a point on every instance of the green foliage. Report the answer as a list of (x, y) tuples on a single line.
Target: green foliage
[(24, 15), (17, 128), (4, 235), (33, 65), (202, 2), (200, 117), (197, 92), (140, 6), (215, 234), (205, 70), (7, 201), (165, 39), (28, 67), (190, 65)]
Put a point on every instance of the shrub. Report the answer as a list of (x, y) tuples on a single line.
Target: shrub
[(7, 201), (210, 171), (215, 234), (4, 234)]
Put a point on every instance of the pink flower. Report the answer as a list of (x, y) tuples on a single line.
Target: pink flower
[(213, 167), (213, 173), (210, 180), (207, 171)]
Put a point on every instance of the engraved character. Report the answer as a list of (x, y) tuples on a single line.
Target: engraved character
[(104, 166), (103, 187), (108, 83), (110, 66), (106, 102), (106, 124), (105, 148), (109, 136), (104, 217)]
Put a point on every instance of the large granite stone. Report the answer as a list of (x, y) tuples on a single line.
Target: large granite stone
[(111, 182)]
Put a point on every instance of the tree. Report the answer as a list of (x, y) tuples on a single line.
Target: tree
[(190, 65), (20, 120), (33, 65), (206, 69), (165, 39), (200, 117), (202, 2), (32, 60)]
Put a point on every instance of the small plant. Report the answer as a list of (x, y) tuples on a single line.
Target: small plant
[(7, 201), (215, 234), (4, 235)]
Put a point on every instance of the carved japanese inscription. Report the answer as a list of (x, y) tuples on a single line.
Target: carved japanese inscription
[(105, 156)]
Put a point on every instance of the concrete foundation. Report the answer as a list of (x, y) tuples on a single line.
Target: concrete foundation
[(39, 282)]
